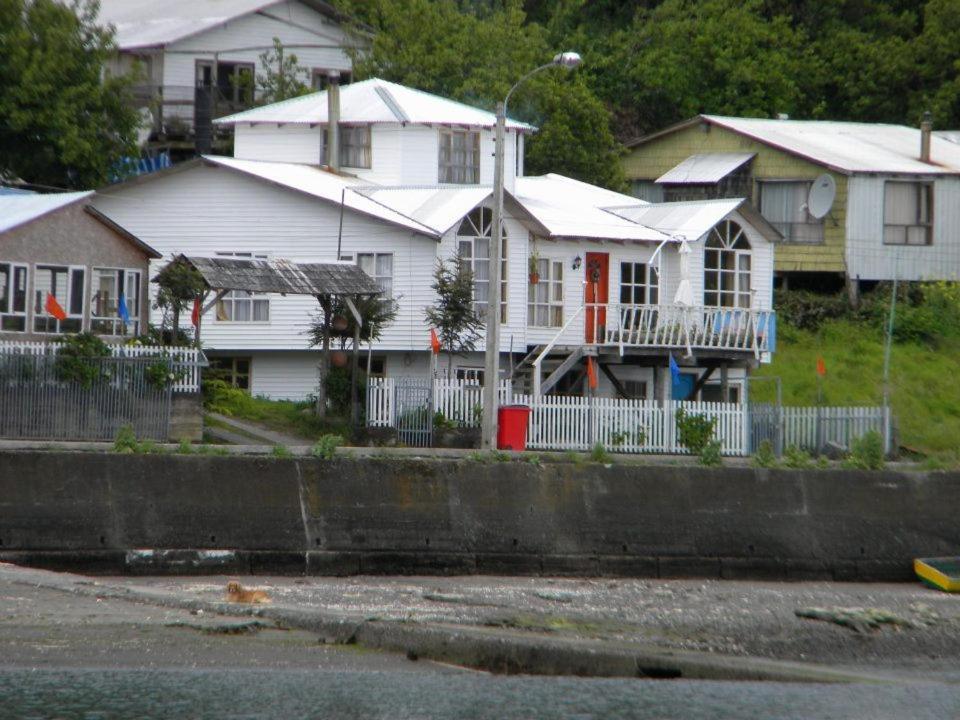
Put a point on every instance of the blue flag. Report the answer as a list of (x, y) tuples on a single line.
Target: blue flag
[(674, 370), (122, 311)]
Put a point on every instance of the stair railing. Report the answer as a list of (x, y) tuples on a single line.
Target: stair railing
[(546, 351)]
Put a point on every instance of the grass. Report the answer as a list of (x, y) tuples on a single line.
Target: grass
[(925, 392)]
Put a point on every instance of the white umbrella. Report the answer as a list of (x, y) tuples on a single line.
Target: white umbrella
[(684, 295)]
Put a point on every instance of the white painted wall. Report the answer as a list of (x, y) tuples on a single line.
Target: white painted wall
[(867, 256), (287, 143)]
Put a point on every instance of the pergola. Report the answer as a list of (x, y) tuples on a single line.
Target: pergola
[(323, 280)]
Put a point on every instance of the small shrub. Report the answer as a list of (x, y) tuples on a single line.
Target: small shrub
[(281, 451), (476, 456), (126, 441), (599, 454), (823, 463), (77, 359), (710, 454), (866, 452), (764, 457), (184, 448), (499, 456), (796, 458), (574, 457), (150, 447), (694, 431), (161, 374), (442, 422), (326, 447), (534, 460)]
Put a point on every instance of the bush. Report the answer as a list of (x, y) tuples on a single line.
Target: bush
[(710, 455), (599, 454), (326, 446), (694, 431), (796, 458), (808, 310), (126, 441), (281, 451), (866, 452), (764, 457), (78, 356)]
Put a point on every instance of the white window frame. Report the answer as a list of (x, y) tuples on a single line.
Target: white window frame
[(739, 294), (794, 230), (458, 165), (117, 326), (234, 298), (352, 154), (550, 271), (9, 312), (39, 309), (476, 226), (921, 223), (384, 280), (650, 285)]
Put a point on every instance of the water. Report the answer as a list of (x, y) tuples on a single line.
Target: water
[(334, 695)]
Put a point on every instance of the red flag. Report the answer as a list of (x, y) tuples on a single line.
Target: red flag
[(53, 308), (821, 367), (195, 315), (592, 373), (434, 342)]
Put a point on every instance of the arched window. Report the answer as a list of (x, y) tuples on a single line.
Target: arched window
[(726, 267), (473, 245)]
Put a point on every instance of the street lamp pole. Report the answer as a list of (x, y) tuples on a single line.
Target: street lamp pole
[(491, 377)]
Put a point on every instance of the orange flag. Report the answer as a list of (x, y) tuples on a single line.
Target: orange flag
[(821, 367), (592, 373), (434, 342), (53, 308), (195, 315)]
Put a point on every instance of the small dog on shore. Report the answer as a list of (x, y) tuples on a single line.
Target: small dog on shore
[(237, 594)]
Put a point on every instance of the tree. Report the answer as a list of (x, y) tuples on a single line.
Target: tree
[(376, 313), (179, 284), (61, 123), (457, 323), (283, 77)]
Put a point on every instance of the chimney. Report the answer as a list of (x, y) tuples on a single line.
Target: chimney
[(926, 129), (333, 120)]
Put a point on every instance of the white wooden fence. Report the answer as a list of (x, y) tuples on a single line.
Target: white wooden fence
[(561, 422), (187, 362)]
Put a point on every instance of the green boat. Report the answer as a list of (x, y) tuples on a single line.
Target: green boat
[(940, 573)]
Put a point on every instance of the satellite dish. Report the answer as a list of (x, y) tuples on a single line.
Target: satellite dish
[(822, 194)]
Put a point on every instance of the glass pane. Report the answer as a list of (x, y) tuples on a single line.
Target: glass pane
[(900, 203), (384, 265), (20, 289), (626, 274), (711, 259), (5, 284), (261, 310), (726, 280), (744, 262), (76, 293)]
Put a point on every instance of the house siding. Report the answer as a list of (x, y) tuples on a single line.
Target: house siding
[(289, 143), (867, 256), (652, 159), (71, 236)]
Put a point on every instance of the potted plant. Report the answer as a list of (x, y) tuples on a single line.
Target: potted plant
[(534, 266)]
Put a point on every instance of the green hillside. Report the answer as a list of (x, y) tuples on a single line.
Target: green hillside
[(925, 379)]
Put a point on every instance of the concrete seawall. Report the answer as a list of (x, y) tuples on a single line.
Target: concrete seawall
[(171, 513)]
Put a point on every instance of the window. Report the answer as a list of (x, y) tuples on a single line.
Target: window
[(638, 284), (376, 366), (907, 213), (712, 392), (235, 82), (459, 157), (784, 204), (545, 298), (319, 79), (726, 267), (636, 389), (354, 146), (106, 287), (379, 266), (469, 375), (240, 305), (65, 284), (234, 371), (13, 297), (473, 245)]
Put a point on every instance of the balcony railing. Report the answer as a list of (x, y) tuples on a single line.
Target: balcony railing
[(686, 327)]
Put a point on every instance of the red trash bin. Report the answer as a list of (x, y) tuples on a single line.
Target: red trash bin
[(512, 427)]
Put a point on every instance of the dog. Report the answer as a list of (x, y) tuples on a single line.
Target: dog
[(237, 594)]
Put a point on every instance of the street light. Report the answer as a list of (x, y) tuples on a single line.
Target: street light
[(568, 60)]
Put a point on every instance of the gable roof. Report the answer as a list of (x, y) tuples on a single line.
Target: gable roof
[(21, 208), (153, 23), (691, 219), (373, 101), (844, 147)]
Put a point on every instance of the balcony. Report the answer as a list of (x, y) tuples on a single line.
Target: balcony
[(680, 327)]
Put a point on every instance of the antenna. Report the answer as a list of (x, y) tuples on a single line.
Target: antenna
[(822, 194)]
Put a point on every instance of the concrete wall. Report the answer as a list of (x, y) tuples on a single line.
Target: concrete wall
[(101, 511)]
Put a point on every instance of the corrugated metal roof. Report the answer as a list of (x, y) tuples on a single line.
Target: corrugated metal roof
[(283, 276), (22, 208), (951, 135), (688, 220), (706, 168), (323, 184), (850, 147), (373, 101), (438, 207), (151, 23), (573, 209)]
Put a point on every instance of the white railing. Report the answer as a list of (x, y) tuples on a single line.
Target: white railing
[(381, 397), (460, 401), (813, 427), (187, 361), (687, 327)]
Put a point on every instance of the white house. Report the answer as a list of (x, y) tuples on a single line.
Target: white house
[(182, 46), (615, 280)]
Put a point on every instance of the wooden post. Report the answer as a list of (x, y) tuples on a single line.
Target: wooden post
[(724, 383), (325, 357), (355, 379)]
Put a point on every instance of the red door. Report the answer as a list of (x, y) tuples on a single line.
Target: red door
[(596, 293)]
